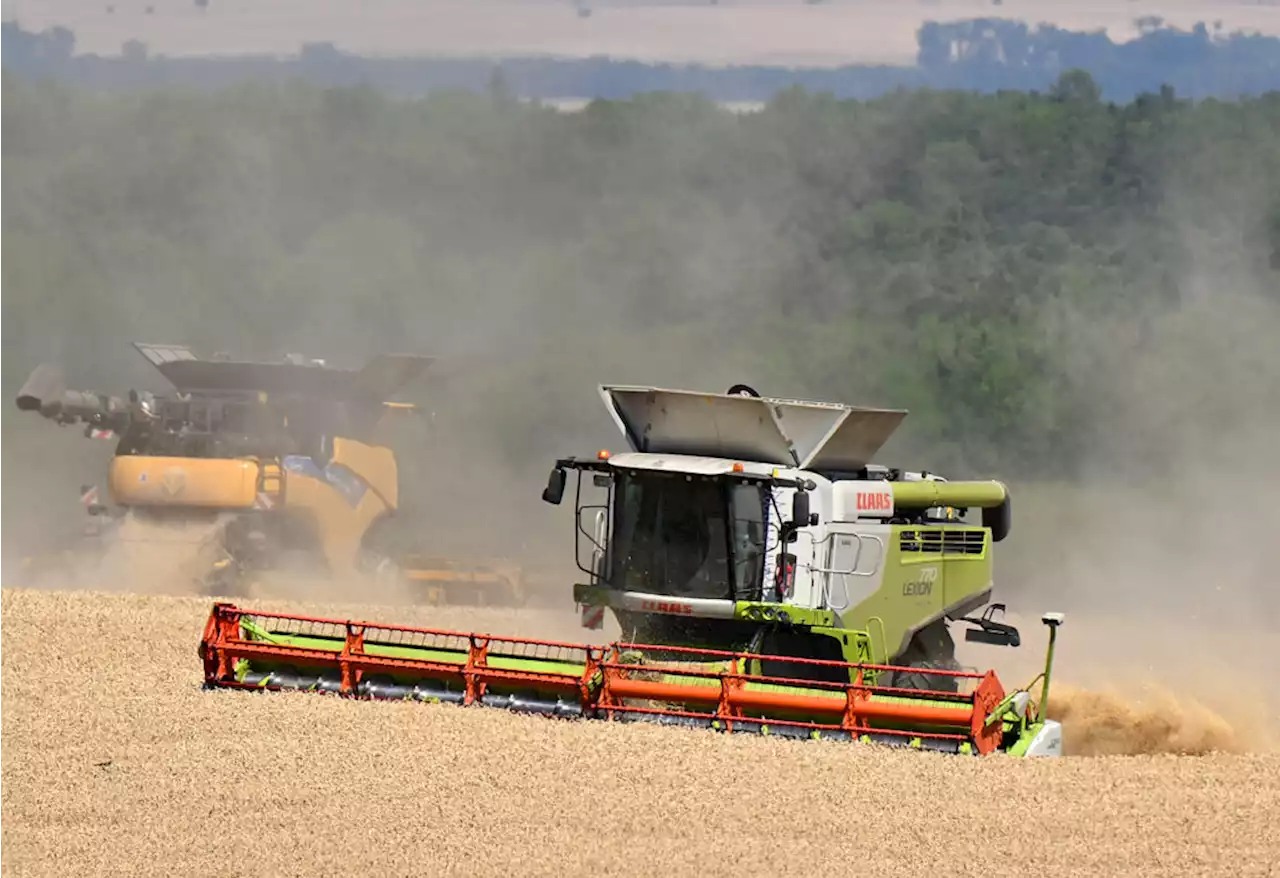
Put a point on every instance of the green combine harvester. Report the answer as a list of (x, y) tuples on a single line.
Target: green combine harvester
[(828, 620)]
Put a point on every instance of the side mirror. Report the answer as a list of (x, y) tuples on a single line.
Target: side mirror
[(988, 630), (800, 508), (554, 492)]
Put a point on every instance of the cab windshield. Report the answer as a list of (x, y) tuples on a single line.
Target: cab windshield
[(688, 536)]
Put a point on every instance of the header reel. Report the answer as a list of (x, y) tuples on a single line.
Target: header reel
[(700, 688)]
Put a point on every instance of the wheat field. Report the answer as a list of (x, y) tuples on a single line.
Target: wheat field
[(116, 762)]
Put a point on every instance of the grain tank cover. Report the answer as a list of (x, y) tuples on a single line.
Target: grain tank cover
[(855, 440), (379, 378), (783, 432)]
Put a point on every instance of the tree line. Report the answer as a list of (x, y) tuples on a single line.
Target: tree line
[(982, 54), (1050, 283)]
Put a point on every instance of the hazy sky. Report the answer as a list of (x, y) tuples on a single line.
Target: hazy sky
[(734, 31)]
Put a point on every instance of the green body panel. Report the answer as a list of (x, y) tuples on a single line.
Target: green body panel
[(857, 646), (919, 583), (1024, 739), (762, 611)]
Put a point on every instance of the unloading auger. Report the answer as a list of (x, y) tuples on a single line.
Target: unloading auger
[(701, 688)]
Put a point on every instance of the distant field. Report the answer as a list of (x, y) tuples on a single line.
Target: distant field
[(116, 763), (788, 32)]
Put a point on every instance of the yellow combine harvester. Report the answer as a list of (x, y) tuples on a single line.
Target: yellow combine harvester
[(252, 467)]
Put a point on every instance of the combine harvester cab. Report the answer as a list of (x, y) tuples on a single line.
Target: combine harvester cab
[(827, 621)]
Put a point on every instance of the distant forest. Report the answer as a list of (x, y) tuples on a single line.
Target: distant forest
[(1013, 268), (983, 55), (1054, 284)]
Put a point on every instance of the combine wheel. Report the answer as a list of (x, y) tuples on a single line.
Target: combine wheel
[(222, 579), (931, 649), (383, 570), (243, 545), (512, 594)]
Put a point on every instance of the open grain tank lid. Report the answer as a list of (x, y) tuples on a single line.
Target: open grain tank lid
[(783, 432), (378, 379)]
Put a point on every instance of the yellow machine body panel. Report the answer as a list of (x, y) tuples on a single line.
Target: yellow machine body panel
[(142, 480), (373, 463), (342, 517)]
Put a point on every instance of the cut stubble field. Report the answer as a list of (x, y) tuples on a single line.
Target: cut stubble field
[(116, 762)]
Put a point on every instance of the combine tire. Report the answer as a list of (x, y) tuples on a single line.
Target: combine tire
[(931, 649)]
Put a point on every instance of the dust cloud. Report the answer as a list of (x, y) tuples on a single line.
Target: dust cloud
[(1162, 552), (518, 358), (1144, 720), (135, 556)]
